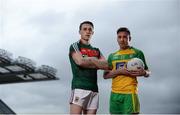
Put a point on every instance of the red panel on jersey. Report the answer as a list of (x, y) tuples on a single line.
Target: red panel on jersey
[(89, 52)]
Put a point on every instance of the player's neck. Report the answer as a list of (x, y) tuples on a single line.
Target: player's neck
[(125, 47), (86, 42)]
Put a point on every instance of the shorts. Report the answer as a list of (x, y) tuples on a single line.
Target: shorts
[(124, 103), (85, 98)]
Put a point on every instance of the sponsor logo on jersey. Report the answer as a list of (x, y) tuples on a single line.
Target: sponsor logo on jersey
[(120, 65), (89, 52)]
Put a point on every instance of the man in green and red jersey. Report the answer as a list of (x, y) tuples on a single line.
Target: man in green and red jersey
[(85, 60), (124, 98)]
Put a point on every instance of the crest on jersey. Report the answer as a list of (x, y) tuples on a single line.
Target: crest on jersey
[(120, 65)]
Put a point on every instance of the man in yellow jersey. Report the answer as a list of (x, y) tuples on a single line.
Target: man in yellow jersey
[(124, 98)]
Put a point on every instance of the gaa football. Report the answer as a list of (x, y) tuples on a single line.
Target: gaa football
[(135, 64)]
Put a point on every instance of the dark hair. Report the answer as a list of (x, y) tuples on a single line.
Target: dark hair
[(124, 29), (86, 22)]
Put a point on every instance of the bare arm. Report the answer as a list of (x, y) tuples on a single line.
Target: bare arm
[(140, 73), (113, 73), (124, 71), (83, 62), (100, 63)]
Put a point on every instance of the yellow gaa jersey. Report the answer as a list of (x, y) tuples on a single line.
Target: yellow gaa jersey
[(122, 83)]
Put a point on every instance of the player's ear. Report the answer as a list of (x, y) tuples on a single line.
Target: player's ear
[(129, 38), (92, 32)]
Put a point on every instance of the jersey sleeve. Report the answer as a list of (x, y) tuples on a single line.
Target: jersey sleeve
[(110, 61), (142, 57), (73, 48), (100, 53)]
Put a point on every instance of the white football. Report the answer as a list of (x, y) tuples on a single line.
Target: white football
[(135, 64)]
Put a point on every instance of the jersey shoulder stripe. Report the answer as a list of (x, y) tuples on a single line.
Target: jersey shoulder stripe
[(75, 46)]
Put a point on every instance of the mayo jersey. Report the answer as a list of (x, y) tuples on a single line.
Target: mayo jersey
[(84, 78)]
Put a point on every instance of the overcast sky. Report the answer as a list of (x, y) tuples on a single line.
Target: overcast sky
[(43, 30)]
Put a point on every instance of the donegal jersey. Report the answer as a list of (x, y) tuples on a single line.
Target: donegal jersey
[(84, 78), (123, 83)]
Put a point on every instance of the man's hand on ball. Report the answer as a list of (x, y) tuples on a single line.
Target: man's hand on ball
[(139, 72)]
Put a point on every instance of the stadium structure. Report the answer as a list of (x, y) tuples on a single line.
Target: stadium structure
[(4, 109), (21, 69)]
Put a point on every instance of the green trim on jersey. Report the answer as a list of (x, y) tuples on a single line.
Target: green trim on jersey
[(83, 78)]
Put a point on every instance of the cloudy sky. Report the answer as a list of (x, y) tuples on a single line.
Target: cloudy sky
[(43, 30)]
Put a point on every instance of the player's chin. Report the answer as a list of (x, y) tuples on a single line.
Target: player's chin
[(86, 38), (123, 45)]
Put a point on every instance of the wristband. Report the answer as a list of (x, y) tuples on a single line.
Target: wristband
[(147, 73)]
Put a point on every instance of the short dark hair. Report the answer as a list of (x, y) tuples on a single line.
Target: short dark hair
[(86, 22), (124, 29)]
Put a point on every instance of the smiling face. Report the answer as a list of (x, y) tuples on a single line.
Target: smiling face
[(123, 39), (86, 32)]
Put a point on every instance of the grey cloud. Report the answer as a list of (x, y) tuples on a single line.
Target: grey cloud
[(158, 97), (31, 96), (47, 22)]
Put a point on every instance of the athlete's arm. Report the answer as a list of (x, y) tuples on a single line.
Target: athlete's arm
[(83, 61), (113, 73), (140, 73), (100, 63), (124, 71)]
